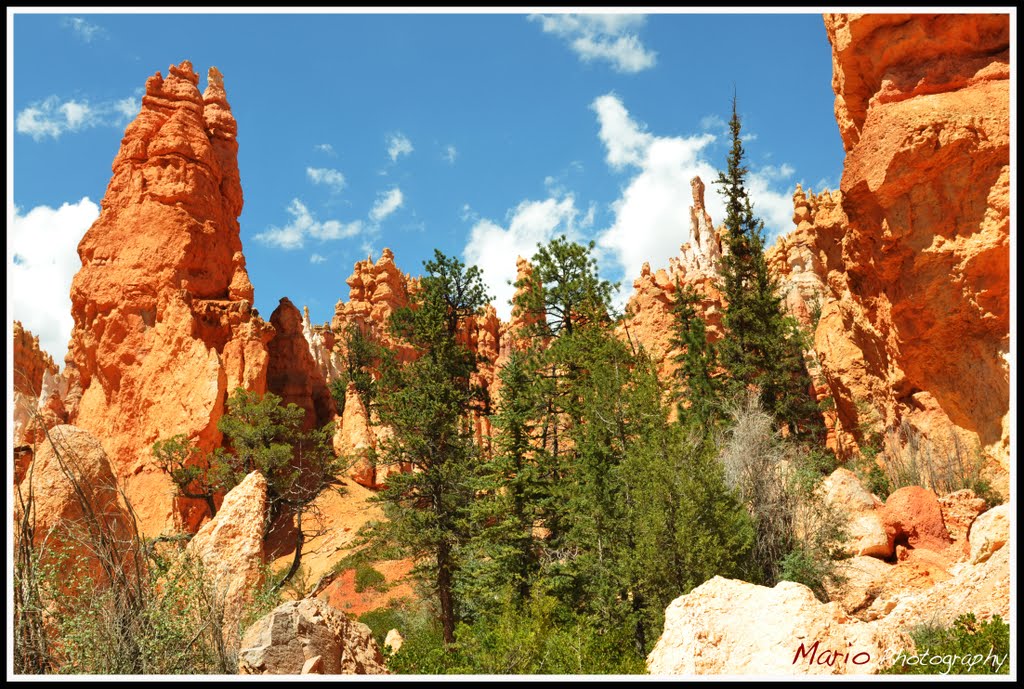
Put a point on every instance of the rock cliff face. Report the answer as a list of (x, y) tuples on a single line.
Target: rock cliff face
[(292, 372), (322, 342), (915, 321), (163, 324), (649, 311)]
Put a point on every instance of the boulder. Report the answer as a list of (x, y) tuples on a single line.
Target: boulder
[(866, 527), (230, 547), (394, 640), (959, 510), (286, 639), (725, 626), (914, 515), (989, 533), (79, 513)]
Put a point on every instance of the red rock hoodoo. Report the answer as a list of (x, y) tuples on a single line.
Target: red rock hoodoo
[(292, 373), (649, 311), (162, 306)]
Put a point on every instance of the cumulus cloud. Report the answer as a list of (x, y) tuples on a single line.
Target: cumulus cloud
[(45, 259), (387, 203), (303, 225), (494, 247), (450, 153), (607, 37), (52, 117), (317, 258), (652, 217), (324, 148), (398, 145), (85, 31), (326, 176)]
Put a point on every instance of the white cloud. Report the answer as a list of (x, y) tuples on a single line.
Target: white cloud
[(52, 117), (45, 251), (398, 145), (325, 148), (624, 139), (317, 258), (652, 216), (715, 124), (326, 176), (387, 203), (450, 153), (606, 37), (128, 108), (304, 224), (83, 29), (494, 248)]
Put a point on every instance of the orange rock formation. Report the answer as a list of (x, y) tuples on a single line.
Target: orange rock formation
[(292, 373), (649, 311), (30, 362), (915, 320), (163, 324), (39, 392)]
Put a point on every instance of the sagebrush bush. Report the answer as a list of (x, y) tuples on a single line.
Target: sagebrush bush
[(942, 465), (798, 535)]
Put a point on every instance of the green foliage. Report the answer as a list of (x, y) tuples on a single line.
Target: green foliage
[(427, 403), (338, 388), (361, 353), (700, 387), (382, 620), (763, 347), (564, 292), (188, 469), (969, 647), (543, 637), (513, 492), (867, 468), (261, 435), (797, 534), (368, 578), (175, 631)]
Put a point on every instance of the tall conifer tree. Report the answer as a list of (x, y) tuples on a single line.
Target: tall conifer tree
[(763, 346)]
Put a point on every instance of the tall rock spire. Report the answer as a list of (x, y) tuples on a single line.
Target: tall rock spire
[(162, 305)]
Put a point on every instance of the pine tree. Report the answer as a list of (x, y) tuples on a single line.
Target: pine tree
[(763, 346), (513, 490), (701, 389), (427, 404)]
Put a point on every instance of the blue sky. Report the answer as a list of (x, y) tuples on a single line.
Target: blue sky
[(475, 134)]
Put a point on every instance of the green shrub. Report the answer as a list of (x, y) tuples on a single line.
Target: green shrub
[(368, 578), (543, 637), (383, 620), (969, 647)]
